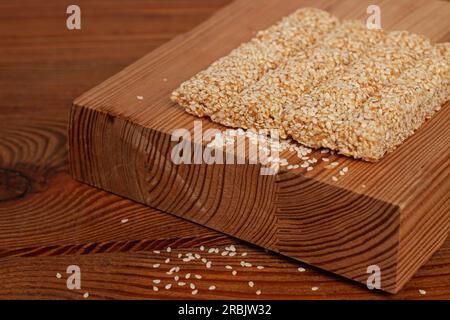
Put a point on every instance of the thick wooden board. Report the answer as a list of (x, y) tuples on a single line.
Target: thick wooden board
[(393, 214)]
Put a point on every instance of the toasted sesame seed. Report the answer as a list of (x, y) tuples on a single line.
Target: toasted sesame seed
[(258, 292), (334, 178), (181, 283), (208, 264), (315, 288), (194, 292), (234, 272), (155, 288), (260, 267), (169, 249), (422, 292), (251, 284), (212, 287), (202, 248), (198, 276), (157, 281), (187, 276), (58, 275), (124, 220), (140, 97), (300, 269), (86, 295), (156, 251), (168, 286), (192, 286), (167, 260), (156, 265)]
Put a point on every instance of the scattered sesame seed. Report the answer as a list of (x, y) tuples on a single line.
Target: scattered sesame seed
[(155, 288), (181, 283), (168, 286), (202, 248), (169, 249), (208, 264), (124, 220), (187, 276), (234, 272), (58, 275), (176, 278), (422, 292), (156, 251), (258, 292), (140, 97), (167, 260), (232, 248), (315, 288), (300, 269), (156, 265), (212, 287), (334, 178), (194, 292), (157, 281), (86, 295), (243, 254), (260, 267), (192, 286), (251, 284), (198, 276), (228, 267)]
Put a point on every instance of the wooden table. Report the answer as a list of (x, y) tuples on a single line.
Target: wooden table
[(48, 221)]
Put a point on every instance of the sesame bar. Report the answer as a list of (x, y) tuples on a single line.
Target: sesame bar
[(212, 89), (261, 106), (407, 102), (341, 113)]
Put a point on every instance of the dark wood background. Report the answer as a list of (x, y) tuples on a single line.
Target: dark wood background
[(48, 221)]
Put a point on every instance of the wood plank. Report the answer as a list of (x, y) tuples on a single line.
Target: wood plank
[(122, 144), (130, 275), (43, 66)]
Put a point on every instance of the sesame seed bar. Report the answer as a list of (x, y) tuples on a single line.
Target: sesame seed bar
[(357, 91), (262, 105), (212, 89), (336, 116)]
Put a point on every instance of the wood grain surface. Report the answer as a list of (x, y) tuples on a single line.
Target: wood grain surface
[(48, 221), (123, 145)]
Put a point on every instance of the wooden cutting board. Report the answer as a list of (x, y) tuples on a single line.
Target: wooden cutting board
[(393, 214)]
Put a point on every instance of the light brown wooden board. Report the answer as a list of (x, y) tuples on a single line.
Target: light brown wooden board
[(393, 214)]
